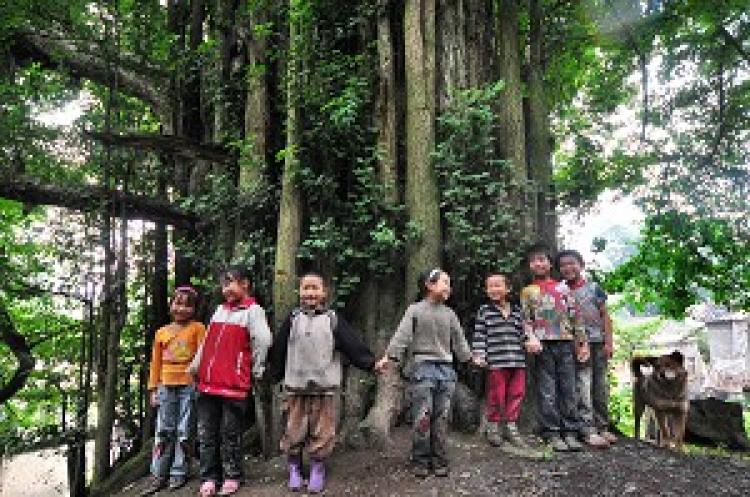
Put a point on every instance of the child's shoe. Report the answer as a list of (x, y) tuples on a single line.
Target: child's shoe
[(176, 482), (441, 470), (229, 487), (557, 443), (573, 444), (295, 474), (317, 477), (610, 437), (494, 437), (208, 488), (514, 436), (596, 441), (421, 471)]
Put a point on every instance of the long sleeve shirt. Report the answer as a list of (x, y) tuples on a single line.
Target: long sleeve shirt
[(499, 339), (174, 347), (550, 311), (430, 332)]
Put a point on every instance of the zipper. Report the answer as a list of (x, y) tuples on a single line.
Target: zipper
[(239, 363), (213, 359)]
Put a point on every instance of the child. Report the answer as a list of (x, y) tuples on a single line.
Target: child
[(591, 376), (236, 344), (430, 331), (306, 354), (554, 332), (498, 341), (171, 389)]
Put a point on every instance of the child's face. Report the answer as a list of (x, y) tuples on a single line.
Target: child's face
[(497, 288), (570, 268), (234, 289), (181, 309), (540, 265), (312, 292), (440, 290)]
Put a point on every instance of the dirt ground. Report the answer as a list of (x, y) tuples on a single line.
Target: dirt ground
[(628, 468)]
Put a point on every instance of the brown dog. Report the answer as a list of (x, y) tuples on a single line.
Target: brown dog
[(665, 391)]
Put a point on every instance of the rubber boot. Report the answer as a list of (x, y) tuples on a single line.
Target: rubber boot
[(295, 473), (317, 477)]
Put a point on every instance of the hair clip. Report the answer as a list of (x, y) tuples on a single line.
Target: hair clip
[(185, 288), (434, 274)]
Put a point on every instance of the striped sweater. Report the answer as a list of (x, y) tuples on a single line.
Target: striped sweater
[(498, 340)]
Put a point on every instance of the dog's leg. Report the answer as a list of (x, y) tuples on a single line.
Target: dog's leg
[(638, 407), (661, 418), (680, 422)]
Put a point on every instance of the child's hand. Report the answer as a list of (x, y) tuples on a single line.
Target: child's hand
[(582, 351), (381, 364), (154, 398), (533, 345), (478, 362)]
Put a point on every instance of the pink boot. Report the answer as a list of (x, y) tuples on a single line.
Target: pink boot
[(317, 477), (295, 473)]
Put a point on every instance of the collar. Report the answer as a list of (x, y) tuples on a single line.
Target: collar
[(575, 285), (315, 312), (545, 282), (242, 304)]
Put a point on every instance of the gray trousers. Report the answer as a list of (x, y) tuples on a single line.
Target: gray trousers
[(592, 391), (431, 391), (556, 388)]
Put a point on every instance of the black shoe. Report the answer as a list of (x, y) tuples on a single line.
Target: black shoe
[(176, 482), (441, 471), (421, 471)]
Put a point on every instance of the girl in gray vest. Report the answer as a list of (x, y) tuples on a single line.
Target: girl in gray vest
[(306, 355), (431, 333)]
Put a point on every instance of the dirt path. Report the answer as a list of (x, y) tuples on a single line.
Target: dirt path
[(478, 470)]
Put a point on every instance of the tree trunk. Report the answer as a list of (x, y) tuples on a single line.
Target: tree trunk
[(510, 104), (21, 349), (538, 139), (422, 199)]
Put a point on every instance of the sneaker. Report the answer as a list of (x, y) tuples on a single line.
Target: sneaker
[(317, 477), (421, 471), (176, 482), (155, 484), (229, 487), (441, 471), (573, 444), (514, 436), (494, 437), (208, 488), (295, 474), (596, 441), (610, 437), (557, 444)]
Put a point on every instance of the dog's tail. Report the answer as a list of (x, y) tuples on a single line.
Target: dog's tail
[(635, 365)]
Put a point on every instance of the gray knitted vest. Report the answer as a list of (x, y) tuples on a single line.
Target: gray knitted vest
[(312, 363)]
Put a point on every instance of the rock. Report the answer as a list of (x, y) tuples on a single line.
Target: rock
[(466, 409), (716, 422)]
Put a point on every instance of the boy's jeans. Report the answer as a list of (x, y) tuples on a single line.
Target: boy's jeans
[(172, 430), (432, 386), (220, 424), (556, 385), (592, 391)]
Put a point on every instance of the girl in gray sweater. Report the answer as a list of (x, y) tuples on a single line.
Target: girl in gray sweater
[(427, 339)]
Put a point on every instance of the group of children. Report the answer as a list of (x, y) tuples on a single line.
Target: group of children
[(563, 323)]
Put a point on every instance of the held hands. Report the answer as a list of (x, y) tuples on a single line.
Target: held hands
[(381, 364), (478, 361), (582, 351), (154, 398), (533, 344)]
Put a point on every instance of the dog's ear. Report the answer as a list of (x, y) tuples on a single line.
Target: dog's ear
[(677, 357)]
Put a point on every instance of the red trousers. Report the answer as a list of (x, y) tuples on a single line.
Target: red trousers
[(505, 391)]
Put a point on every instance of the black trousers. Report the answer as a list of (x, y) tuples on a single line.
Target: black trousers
[(220, 426)]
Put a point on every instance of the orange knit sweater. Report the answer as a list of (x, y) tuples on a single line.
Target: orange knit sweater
[(174, 348)]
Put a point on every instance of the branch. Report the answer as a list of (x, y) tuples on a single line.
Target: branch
[(90, 198), (88, 60), (173, 145), (20, 349), (731, 40)]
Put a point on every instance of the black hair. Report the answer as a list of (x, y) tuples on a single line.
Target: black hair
[(315, 274), (424, 278), (539, 248), (190, 294), (502, 274), (237, 273), (569, 253)]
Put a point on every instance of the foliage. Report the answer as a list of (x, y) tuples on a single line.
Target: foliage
[(482, 226), (682, 260)]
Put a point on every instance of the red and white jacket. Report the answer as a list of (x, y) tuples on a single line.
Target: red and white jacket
[(233, 351)]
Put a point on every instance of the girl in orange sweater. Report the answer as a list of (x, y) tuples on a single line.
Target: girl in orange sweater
[(171, 389)]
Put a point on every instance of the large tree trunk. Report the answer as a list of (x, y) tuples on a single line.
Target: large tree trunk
[(538, 137), (422, 199), (510, 104)]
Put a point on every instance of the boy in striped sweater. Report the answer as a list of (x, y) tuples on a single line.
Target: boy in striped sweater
[(498, 342)]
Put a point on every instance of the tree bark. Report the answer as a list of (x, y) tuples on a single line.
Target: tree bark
[(174, 145), (422, 199)]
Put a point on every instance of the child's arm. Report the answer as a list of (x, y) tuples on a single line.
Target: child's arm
[(533, 344), (400, 340), (349, 345), (154, 373), (260, 335), (277, 354), (458, 341)]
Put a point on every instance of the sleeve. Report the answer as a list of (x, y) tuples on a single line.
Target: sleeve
[(479, 339), (351, 346), (154, 372), (277, 354), (527, 310), (459, 344), (260, 337), (600, 295), (403, 337)]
